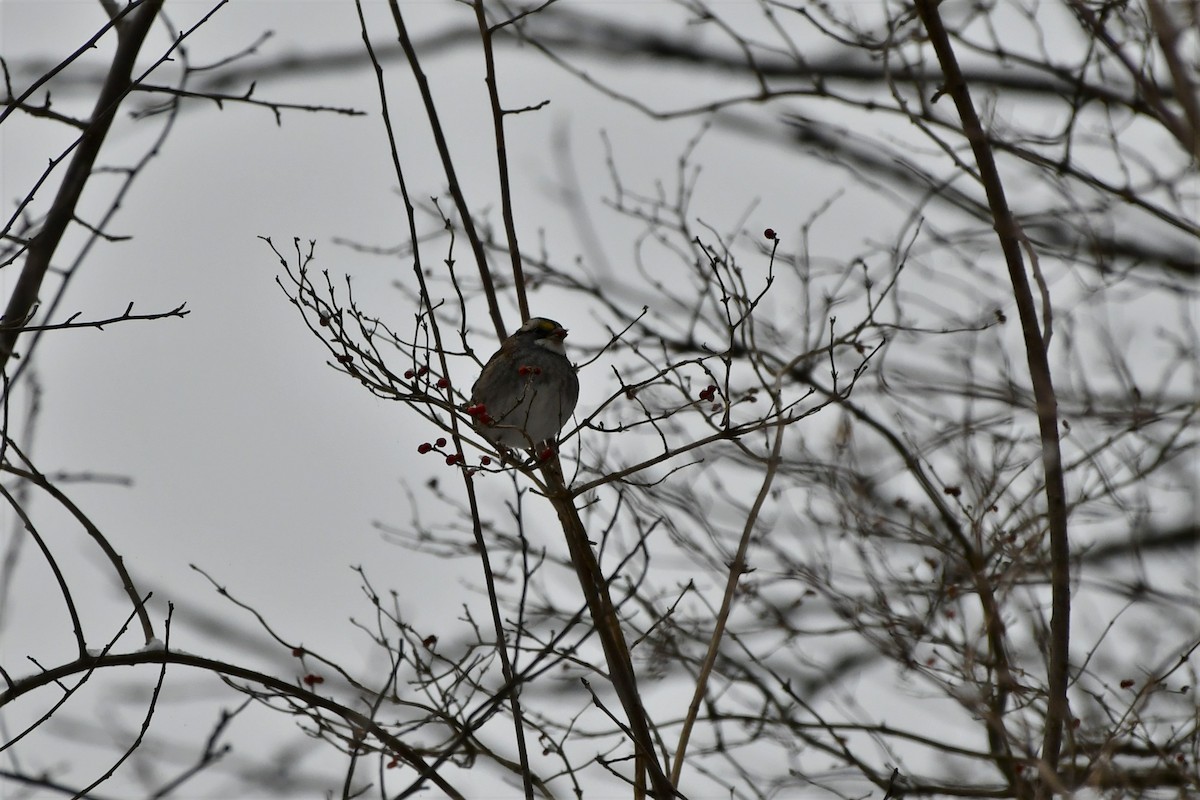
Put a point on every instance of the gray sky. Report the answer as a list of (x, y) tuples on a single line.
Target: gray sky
[(248, 456)]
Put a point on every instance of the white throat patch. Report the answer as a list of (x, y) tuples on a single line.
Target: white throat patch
[(553, 344)]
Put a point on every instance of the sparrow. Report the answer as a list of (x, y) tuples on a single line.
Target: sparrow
[(527, 389)]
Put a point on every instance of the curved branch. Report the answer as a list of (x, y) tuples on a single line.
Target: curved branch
[(163, 657), (43, 483), (80, 641)]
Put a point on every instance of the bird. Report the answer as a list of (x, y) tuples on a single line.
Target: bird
[(528, 388)]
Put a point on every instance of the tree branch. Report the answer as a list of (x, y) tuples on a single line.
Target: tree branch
[(955, 86), (131, 33)]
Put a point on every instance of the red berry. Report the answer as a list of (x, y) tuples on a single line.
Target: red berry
[(298, 652), (408, 374), (424, 447), (443, 383), (485, 460), (422, 371), (546, 454), (452, 459), (441, 441), (312, 680), (324, 322), (769, 233)]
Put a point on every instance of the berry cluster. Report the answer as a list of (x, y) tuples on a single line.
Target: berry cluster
[(421, 372), (479, 411), (452, 459)]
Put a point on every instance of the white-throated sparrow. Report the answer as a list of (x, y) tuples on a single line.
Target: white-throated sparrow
[(527, 389)]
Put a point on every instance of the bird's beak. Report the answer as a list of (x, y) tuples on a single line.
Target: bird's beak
[(559, 333)]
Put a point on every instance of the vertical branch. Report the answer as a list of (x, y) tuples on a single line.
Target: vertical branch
[(1168, 34), (1043, 387), (510, 228), (131, 33), (439, 138), (608, 628), (506, 666)]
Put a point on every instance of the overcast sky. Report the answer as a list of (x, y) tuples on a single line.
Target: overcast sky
[(246, 455), (282, 465)]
